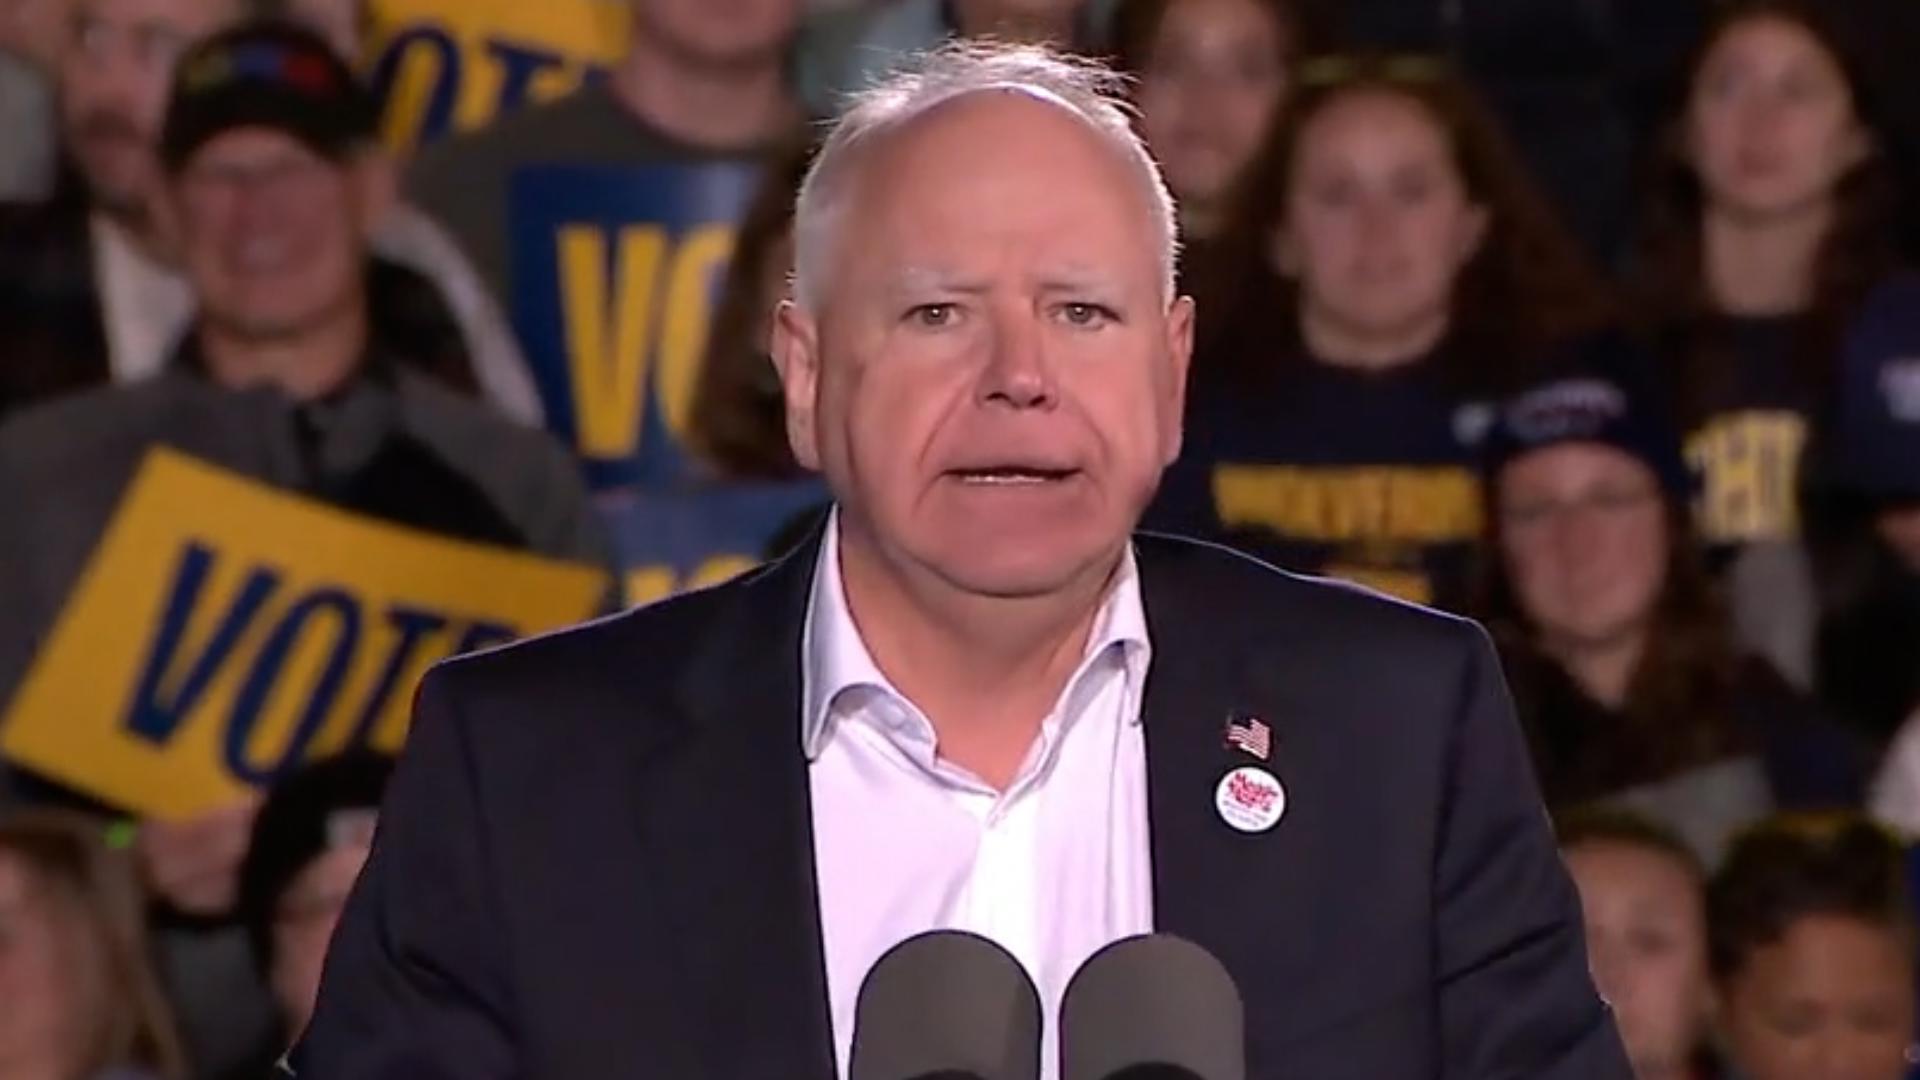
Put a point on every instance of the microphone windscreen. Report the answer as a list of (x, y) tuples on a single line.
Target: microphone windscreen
[(946, 1004), (1152, 1006)]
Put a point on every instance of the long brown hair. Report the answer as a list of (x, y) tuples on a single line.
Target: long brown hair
[(1679, 707), (738, 421), (1671, 291), (68, 862), (1527, 289)]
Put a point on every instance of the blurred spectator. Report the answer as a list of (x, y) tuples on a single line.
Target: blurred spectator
[(33, 35), (81, 1002), (844, 50), (1576, 84), (1622, 666), (1211, 77), (739, 410), (1335, 413), (95, 292), (411, 237), (294, 374), (747, 493), (309, 843), (1771, 227), (1864, 528), (299, 373), (1643, 892), (1888, 32), (1866, 539), (701, 83), (1812, 946), (90, 294)]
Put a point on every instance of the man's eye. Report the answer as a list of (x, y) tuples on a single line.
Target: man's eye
[(933, 315), (1086, 315)]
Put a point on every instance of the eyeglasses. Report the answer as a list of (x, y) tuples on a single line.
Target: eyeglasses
[(1338, 69), (1602, 502), (294, 174)]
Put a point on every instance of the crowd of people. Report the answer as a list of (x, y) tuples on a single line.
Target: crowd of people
[(1591, 321)]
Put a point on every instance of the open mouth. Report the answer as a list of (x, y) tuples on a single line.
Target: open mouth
[(1011, 475)]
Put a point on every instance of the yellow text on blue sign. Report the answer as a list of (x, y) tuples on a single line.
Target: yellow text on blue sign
[(644, 329), (223, 632)]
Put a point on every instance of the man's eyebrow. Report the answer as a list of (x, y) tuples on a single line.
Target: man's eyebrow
[(1076, 281), (929, 279), (1071, 277)]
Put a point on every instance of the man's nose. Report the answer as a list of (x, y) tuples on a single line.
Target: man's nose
[(1018, 373)]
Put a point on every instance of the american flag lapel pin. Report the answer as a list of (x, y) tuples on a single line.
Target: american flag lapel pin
[(1250, 735)]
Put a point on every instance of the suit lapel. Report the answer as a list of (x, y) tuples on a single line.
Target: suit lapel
[(726, 826), (1248, 898)]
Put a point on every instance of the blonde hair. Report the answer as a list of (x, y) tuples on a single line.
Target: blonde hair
[(94, 889)]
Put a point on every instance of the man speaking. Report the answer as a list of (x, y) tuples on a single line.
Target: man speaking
[(672, 844)]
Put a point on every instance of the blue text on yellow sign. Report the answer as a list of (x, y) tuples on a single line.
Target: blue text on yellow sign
[(224, 632)]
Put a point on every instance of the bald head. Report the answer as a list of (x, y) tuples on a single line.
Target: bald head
[(985, 357), (1062, 98)]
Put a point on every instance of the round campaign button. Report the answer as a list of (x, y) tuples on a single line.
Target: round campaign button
[(1250, 799)]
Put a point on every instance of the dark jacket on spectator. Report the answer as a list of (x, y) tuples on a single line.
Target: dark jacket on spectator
[(392, 445), (1772, 750)]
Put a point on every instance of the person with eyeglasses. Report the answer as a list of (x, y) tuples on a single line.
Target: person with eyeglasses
[(1770, 248), (1624, 669)]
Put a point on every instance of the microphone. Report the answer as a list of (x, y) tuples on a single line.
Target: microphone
[(1153, 1007), (946, 1005)]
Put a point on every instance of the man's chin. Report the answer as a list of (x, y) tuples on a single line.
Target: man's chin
[(1022, 574)]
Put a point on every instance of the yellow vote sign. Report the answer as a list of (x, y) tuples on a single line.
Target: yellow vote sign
[(223, 632)]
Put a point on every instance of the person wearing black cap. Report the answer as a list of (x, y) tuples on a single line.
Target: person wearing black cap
[(289, 376), (1865, 540), (309, 842), (98, 293), (1623, 667)]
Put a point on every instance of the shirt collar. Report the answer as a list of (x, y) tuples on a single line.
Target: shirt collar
[(835, 659)]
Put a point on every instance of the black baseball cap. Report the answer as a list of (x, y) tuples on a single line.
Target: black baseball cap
[(1877, 427), (1592, 406), (271, 74)]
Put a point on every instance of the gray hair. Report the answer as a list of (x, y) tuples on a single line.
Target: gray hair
[(1089, 90)]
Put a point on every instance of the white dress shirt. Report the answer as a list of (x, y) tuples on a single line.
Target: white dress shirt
[(1052, 868), (145, 304)]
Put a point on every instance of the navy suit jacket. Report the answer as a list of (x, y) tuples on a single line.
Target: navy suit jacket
[(596, 857)]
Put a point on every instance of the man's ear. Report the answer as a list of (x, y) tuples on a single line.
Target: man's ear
[(795, 348), (1180, 324), (376, 182)]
